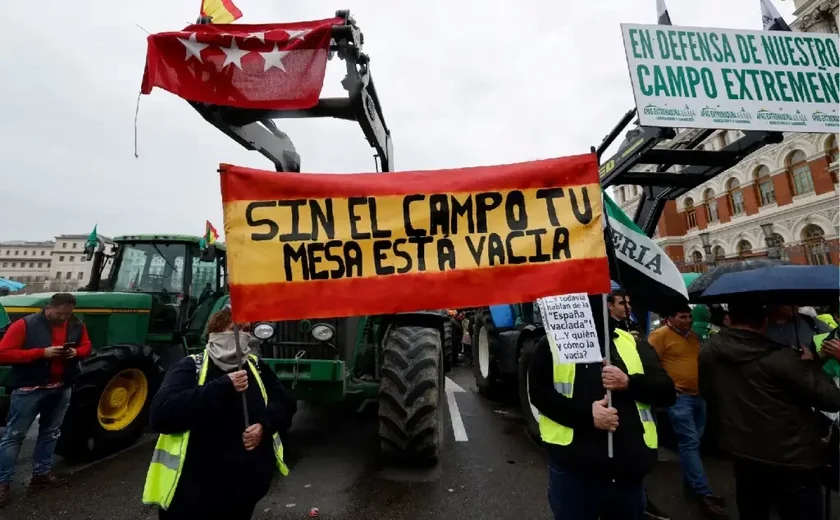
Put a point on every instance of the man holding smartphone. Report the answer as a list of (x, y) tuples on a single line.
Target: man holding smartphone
[(43, 350)]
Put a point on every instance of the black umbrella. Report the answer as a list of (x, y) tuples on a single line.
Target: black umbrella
[(698, 286), (782, 284)]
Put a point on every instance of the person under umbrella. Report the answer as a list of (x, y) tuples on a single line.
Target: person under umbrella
[(230, 465), (765, 396)]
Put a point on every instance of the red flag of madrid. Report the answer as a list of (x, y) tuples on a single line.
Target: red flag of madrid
[(268, 66)]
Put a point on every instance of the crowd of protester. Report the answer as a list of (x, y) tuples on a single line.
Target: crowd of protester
[(766, 378)]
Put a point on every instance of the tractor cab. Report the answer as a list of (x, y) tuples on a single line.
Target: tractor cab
[(184, 280)]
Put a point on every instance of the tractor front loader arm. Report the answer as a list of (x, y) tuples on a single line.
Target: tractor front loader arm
[(255, 129)]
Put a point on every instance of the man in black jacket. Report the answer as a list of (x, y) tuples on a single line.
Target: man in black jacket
[(584, 483), (765, 394)]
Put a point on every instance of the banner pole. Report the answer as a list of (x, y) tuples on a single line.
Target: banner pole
[(607, 341), (239, 363)]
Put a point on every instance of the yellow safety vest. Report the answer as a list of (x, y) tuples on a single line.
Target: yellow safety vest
[(171, 451), (828, 319), (564, 383)]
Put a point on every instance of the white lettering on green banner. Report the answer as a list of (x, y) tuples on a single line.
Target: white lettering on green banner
[(735, 79)]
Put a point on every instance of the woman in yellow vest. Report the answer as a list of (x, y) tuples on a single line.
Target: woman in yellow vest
[(584, 483), (206, 463)]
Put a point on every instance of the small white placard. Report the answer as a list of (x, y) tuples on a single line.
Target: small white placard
[(571, 328)]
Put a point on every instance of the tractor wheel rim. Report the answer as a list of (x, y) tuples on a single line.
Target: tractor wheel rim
[(123, 399), (534, 412), (483, 353)]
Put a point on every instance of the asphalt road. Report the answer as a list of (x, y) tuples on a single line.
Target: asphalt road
[(496, 473)]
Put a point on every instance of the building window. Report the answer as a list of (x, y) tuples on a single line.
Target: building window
[(60, 258), (24, 252), (735, 196), (719, 254), (74, 245), (690, 214), (711, 205), (43, 253), (800, 173), (5, 264), (68, 276), (832, 152), (40, 265), (64, 245), (31, 265), (622, 196), (14, 265), (58, 275), (764, 185), (72, 258), (697, 257), (17, 252), (816, 252), (744, 248), (81, 275)]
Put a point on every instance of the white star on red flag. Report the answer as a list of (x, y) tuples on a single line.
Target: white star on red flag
[(233, 54), (274, 59), (297, 33), (193, 47)]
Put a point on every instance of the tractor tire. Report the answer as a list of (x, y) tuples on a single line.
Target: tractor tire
[(411, 396), (109, 407), (485, 368), (448, 346), (530, 413)]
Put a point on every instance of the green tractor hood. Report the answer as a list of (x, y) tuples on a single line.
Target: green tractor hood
[(86, 302), (110, 317)]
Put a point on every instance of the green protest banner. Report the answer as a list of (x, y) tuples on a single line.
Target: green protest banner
[(724, 78)]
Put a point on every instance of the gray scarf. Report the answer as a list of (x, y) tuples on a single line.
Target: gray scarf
[(221, 347)]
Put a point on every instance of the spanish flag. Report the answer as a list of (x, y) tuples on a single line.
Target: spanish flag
[(210, 233), (220, 11), (320, 246)]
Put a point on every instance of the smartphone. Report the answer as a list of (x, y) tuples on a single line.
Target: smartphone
[(72, 344)]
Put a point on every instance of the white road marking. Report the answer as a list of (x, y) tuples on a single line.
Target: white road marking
[(454, 413), (452, 386)]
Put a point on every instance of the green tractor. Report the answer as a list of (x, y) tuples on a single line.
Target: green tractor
[(153, 310), (150, 312)]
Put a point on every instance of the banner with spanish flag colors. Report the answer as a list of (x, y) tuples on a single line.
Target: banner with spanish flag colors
[(319, 246), (220, 11)]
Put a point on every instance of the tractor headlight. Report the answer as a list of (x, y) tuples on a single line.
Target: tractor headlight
[(323, 332), (263, 330)]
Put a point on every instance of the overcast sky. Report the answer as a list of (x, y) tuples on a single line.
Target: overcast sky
[(462, 82)]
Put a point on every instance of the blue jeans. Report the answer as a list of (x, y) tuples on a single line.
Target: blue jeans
[(573, 496), (688, 419), (51, 404)]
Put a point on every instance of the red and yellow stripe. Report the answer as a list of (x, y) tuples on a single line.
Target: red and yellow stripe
[(220, 11), (262, 288)]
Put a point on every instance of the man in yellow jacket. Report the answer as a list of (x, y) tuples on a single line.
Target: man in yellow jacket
[(575, 419)]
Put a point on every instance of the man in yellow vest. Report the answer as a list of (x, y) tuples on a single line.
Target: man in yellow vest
[(830, 315), (575, 418)]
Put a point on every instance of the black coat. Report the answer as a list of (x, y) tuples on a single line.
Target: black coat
[(764, 394), (218, 473), (587, 454)]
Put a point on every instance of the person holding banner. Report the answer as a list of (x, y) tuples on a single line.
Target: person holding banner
[(229, 465), (585, 483)]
